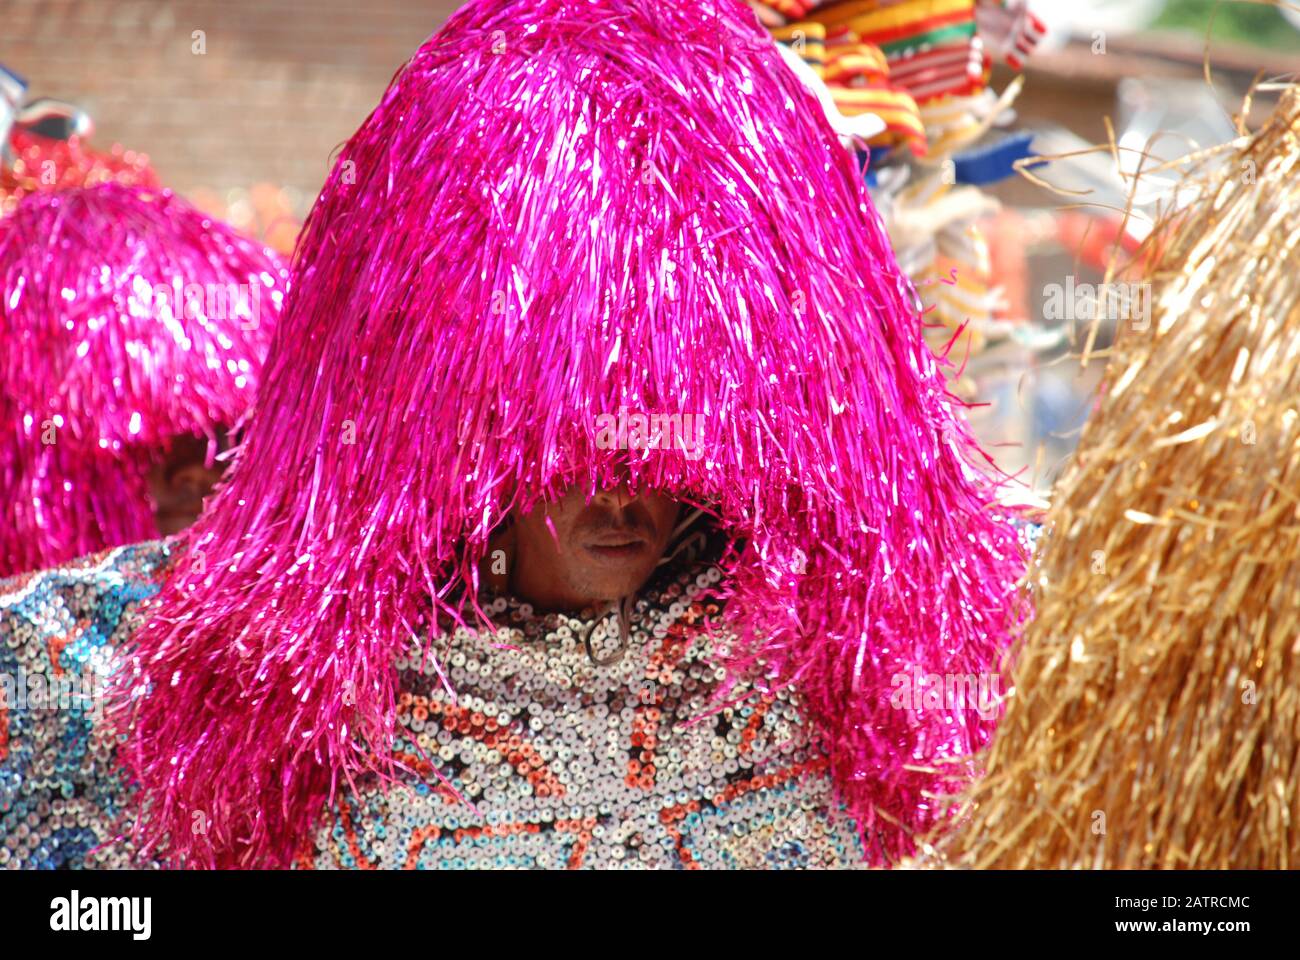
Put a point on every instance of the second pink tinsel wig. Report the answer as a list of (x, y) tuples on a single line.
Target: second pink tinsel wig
[(559, 209), (127, 318)]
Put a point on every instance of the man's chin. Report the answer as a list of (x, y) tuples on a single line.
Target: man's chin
[(605, 586)]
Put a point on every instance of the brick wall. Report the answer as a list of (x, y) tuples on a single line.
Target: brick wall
[(284, 82), (281, 85)]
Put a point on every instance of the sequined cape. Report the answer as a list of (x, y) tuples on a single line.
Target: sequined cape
[(543, 758)]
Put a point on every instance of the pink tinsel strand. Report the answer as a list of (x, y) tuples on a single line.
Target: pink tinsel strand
[(561, 208), (122, 326)]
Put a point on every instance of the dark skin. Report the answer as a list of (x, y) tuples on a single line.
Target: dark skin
[(179, 483), (602, 550)]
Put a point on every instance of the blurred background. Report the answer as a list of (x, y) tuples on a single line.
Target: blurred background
[(240, 105)]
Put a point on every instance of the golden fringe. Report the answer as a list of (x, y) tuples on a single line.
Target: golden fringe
[(1155, 718)]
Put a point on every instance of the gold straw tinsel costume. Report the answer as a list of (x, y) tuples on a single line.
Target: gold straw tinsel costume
[(1155, 719)]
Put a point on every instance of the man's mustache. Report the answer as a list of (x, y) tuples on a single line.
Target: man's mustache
[(633, 519)]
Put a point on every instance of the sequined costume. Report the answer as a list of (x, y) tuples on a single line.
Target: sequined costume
[(544, 759)]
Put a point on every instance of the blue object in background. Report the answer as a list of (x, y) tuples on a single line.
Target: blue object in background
[(995, 162)]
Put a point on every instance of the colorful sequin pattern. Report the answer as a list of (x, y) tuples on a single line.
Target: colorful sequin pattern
[(564, 746), (60, 791)]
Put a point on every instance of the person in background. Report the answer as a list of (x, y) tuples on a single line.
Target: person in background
[(133, 329)]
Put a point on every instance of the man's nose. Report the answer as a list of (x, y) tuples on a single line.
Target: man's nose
[(615, 497)]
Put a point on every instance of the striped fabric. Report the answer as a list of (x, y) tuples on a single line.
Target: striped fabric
[(899, 58), (857, 75), (931, 46)]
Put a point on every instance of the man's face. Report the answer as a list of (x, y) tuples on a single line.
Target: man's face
[(178, 485), (601, 551)]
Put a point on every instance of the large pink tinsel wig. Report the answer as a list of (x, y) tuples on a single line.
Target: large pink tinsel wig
[(562, 208), (122, 326)]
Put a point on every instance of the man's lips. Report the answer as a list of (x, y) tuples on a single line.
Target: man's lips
[(616, 544), (612, 539)]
